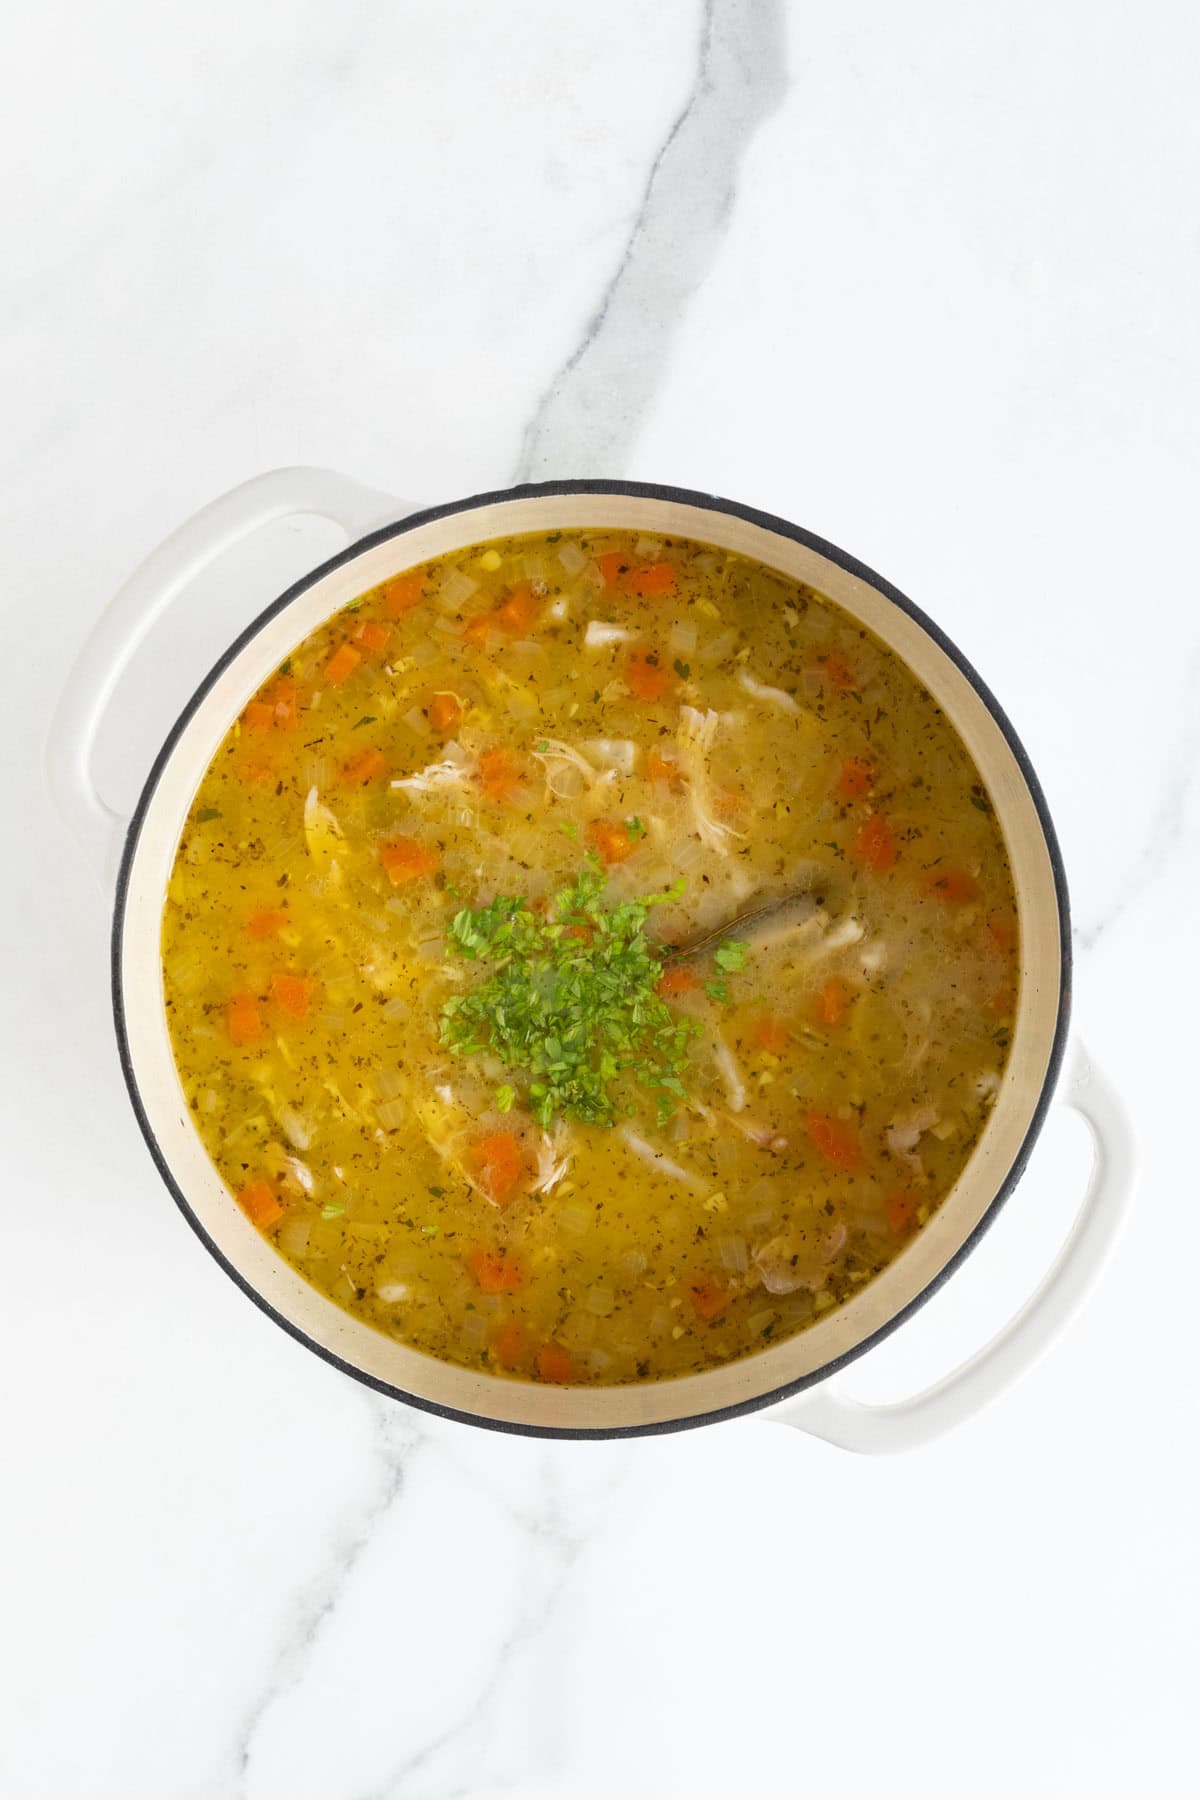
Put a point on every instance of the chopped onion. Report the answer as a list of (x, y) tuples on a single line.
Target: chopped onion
[(574, 1217), (296, 1129), (423, 653), (733, 1255), (635, 1262), (392, 1293), (474, 1330), (684, 637), (572, 559), (648, 546), (397, 1009), (614, 753), (600, 1300), (455, 590), (772, 696), (388, 1082), (391, 1114), (416, 721), (293, 1236), (718, 648), (598, 1361), (600, 635)]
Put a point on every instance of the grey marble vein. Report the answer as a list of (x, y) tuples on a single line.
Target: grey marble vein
[(1173, 824), (590, 415), (398, 1436)]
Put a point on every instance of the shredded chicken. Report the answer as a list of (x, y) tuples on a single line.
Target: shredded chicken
[(656, 1160), (903, 1136), (600, 635), (765, 1136), (731, 1076), (759, 690), (445, 774), (556, 756), (322, 834), (696, 736), (799, 1259), (553, 1160), (615, 753)]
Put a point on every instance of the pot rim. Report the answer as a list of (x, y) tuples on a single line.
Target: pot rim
[(852, 566)]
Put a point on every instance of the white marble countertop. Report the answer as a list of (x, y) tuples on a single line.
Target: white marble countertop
[(925, 280)]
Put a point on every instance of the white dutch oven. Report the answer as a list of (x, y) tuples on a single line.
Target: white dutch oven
[(797, 1371)]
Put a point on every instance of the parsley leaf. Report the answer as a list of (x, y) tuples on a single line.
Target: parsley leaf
[(634, 829), (730, 957), (367, 719), (683, 670), (206, 813), (716, 990)]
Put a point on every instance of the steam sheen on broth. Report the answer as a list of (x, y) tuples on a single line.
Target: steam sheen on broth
[(448, 1066)]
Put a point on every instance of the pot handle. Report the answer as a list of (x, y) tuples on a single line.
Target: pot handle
[(830, 1414), (123, 625)]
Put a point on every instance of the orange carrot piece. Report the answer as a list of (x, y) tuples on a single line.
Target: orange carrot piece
[(833, 1001), (839, 675), (260, 1203), (445, 711), (518, 612), (554, 1363), (612, 841), (372, 638), (875, 845), (651, 580), (900, 1211), (259, 717), (402, 593), (708, 1297), (613, 565), (494, 1272), (266, 922), (499, 1164), (476, 630), (510, 1344), (292, 992), (259, 769), (952, 885), (284, 699), (342, 664), (854, 779), (645, 675), (243, 1020), (406, 859), (678, 979), (498, 773), (837, 1142), (770, 1035), (661, 768), (364, 767)]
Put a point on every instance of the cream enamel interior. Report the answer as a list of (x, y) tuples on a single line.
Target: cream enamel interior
[(490, 1397)]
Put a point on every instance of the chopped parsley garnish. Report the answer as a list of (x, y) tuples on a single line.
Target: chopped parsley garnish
[(505, 1098), (206, 813), (634, 829), (716, 990), (730, 957), (332, 1209), (683, 670), (367, 719), (571, 1004)]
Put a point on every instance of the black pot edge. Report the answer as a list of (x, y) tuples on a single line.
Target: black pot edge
[(712, 503)]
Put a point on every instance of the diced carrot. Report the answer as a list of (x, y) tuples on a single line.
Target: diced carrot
[(499, 775), (651, 580), (494, 1271), (510, 1344), (677, 979), (342, 664), (854, 779), (260, 1203), (554, 1363), (645, 675), (612, 841), (1003, 933), (499, 1164), (259, 769), (875, 845), (837, 1141), (445, 711), (729, 803), (406, 859), (833, 1001), (518, 611), (242, 1018), (402, 593), (1001, 1001), (259, 717), (770, 1035), (708, 1297), (476, 630), (839, 675), (364, 767), (266, 922), (292, 992), (372, 638), (952, 885), (612, 566), (286, 702), (661, 768), (900, 1211)]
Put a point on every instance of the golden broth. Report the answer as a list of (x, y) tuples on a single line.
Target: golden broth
[(494, 724)]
